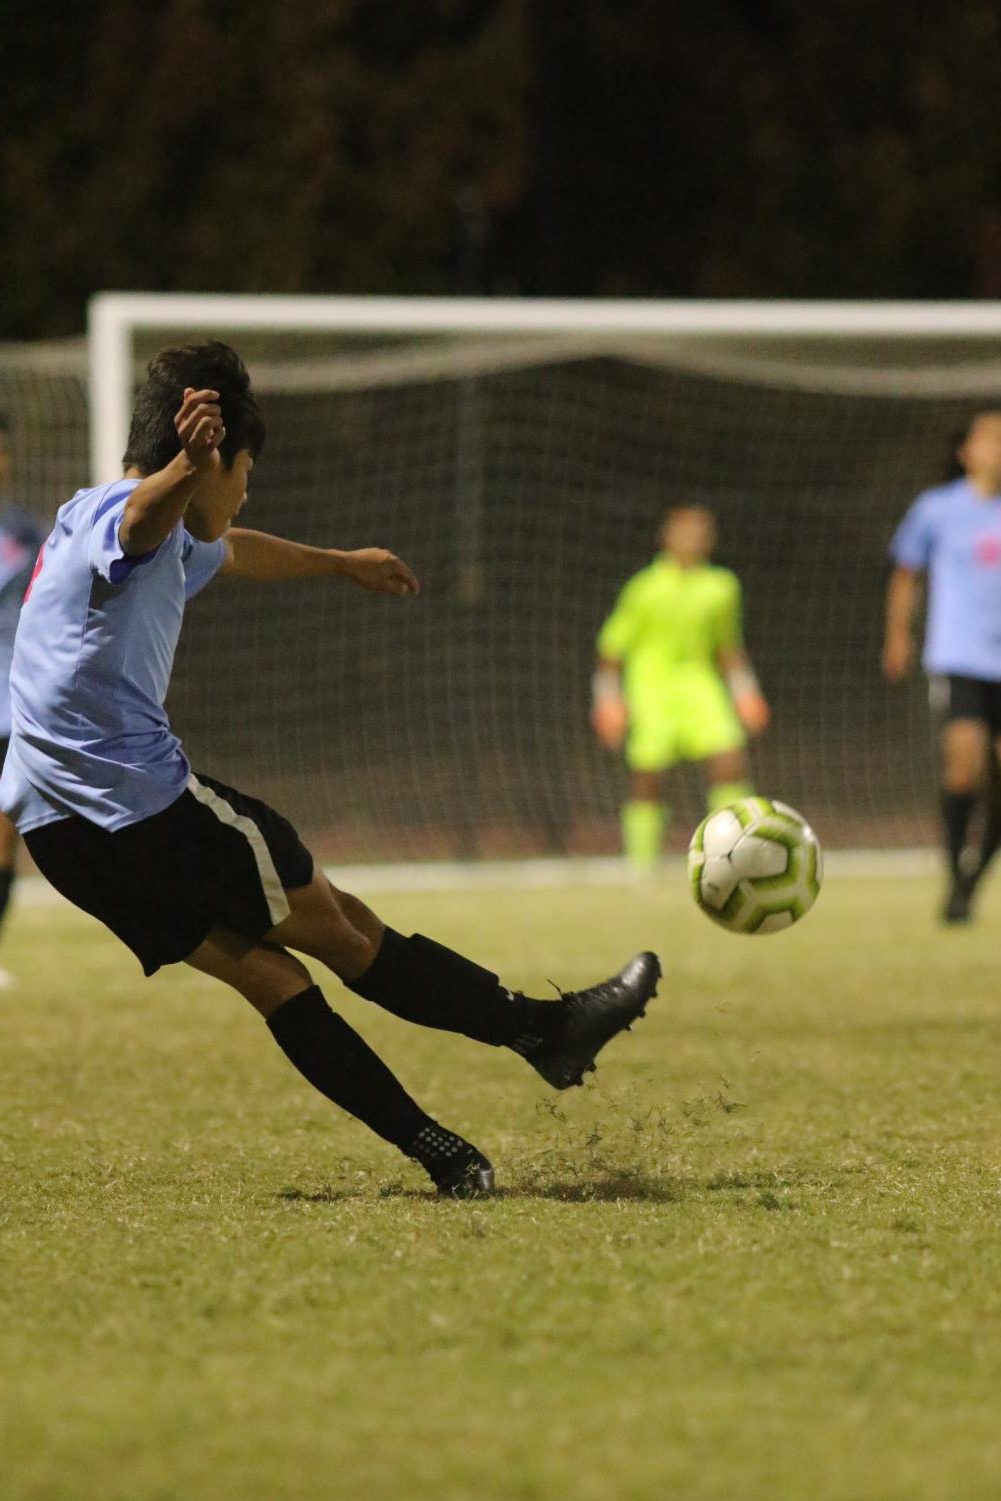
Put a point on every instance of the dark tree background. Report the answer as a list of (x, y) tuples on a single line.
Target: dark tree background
[(623, 147)]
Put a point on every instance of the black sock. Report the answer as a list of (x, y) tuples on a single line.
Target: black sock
[(424, 982), (6, 884), (338, 1063), (990, 839), (956, 810)]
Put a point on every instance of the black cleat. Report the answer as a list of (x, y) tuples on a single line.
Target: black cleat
[(454, 1165), (959, 902), (591, 1018), (472, 1178)]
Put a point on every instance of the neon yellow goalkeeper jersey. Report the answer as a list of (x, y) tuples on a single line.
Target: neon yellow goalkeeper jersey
[(669, 620)]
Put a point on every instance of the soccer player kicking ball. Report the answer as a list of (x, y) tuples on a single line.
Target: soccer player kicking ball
[(953, 532), (673, 680), (182, 868)]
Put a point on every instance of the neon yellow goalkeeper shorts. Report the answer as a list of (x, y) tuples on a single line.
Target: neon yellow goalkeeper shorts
[(688, 719)]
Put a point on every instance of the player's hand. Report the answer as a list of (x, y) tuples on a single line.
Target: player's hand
[(380, 571), (898, 658), (199, 427), (753, 712), (610, 720)]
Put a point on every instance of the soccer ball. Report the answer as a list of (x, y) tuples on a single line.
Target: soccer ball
[(755, 866)]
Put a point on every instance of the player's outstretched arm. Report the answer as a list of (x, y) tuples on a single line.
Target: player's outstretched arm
[(902, 597), (257, 555), (159, 501), (748, 699)]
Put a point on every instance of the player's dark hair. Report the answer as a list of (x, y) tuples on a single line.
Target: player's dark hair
[(213, 366)]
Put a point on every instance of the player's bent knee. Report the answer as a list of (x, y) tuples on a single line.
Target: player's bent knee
[(963, 769), (961, 781), (647, 786), (728, 766), (319, 925), (342, 948), (273, 977), (361, 917), (265, 974)]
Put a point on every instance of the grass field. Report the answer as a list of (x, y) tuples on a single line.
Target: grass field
[(758, 1258)]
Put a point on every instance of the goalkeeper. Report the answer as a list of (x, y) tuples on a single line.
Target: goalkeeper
[(673, 681)]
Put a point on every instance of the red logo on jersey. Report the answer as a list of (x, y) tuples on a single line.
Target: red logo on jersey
[(987, 550), (36, 570)]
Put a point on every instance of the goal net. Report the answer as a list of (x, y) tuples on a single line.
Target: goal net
[(520, 457)]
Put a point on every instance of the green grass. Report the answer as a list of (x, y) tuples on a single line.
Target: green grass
[(758, 1258)]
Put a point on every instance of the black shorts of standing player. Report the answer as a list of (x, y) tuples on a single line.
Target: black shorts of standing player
[(214, 858), (955, 697)]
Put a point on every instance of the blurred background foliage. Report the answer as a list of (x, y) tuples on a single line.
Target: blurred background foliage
[(599, 147)]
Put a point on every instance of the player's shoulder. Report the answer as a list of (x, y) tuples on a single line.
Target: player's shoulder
[(100, 499), (642, 580), (84, 509), (96, 500), (938, 499), (721, 579)]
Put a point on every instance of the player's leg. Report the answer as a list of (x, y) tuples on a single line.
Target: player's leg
[(990, 840), (644, 820), (8, 849), (727, 778), (157, 883), (422, 981), (650, 752), (990, 834), (715, 737), (963, 748), (245, 865), (337, 1061)]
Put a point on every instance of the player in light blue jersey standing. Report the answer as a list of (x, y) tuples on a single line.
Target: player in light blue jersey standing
[(20, 539), (953, 534)]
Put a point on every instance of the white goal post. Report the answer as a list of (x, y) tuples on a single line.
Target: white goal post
[(521, 454), (113, 318)]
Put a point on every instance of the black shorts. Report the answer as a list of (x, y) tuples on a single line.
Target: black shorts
[(955, 697), (214, 859)]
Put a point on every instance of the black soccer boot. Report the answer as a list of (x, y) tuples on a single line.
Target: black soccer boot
[(456, 1168), (958, 905), (590, 1019)]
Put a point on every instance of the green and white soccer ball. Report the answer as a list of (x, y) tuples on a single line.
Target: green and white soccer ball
[(755, 866)]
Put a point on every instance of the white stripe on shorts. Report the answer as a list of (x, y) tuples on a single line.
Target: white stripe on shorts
[(274, 891)]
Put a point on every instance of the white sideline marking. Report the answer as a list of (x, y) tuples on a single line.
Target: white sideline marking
[(527, 875), (600, 870)]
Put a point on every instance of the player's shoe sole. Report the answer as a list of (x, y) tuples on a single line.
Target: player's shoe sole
[(591, 1018)]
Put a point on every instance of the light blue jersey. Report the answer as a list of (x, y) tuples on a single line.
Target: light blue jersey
[(955, 534), (20, 539), (92, 662)]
